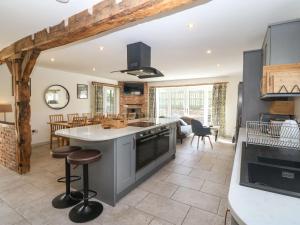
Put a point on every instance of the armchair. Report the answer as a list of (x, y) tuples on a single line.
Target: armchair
[(199, 130)]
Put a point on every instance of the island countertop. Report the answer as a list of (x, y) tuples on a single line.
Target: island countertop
[(97, 133), (251, 206)]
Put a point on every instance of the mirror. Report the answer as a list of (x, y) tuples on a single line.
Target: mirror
[(57, 97)]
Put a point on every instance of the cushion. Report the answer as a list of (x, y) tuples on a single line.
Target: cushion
[(182, 122), (187, 130)]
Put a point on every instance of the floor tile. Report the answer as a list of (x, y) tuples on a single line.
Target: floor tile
[(21, 195), (217, 177), (157, 221), (134, 197), (8, 216), (125, 215), (223, 207), (219, 190), (197, 199), (164, 208), (184, 170), (159, 187), (185, 181), (200, 217)]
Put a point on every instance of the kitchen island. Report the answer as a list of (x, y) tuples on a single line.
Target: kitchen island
[(130, 154), (250, 206)]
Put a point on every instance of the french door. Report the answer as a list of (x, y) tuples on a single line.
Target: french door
[(194, 101), (110, 100)]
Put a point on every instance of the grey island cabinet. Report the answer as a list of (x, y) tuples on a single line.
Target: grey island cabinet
[(116, 173)]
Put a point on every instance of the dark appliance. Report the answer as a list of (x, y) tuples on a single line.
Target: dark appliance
[(271, 169), (267, 117), (142, 124), (150, 145), (139, 62), (133, 88)]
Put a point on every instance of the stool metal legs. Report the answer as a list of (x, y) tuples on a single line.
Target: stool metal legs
[(69, 198), (87, 210)]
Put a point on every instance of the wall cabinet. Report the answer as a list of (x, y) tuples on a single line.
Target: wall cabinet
[(282, 43), (125, 162)]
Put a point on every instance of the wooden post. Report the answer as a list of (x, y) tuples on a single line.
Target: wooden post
[(21, 69)]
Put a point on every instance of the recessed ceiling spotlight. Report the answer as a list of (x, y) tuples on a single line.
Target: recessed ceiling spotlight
[(208, 51), (94, 69), (52, 59), (191, 26), (101, 48), (63, 1), (218, 65)]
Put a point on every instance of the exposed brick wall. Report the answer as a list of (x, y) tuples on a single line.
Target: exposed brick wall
[(134, 100), (8, 141)]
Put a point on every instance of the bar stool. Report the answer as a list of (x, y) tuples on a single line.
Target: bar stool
[(69, 198), (87, 210)]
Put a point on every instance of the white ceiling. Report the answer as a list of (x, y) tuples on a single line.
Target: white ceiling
[(227, 27)]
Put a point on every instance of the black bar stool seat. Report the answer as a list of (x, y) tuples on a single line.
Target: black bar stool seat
[(87, 210), (69, 198)]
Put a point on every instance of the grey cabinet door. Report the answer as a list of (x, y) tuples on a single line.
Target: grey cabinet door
[(125, 158)]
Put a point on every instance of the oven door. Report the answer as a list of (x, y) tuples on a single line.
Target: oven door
[(145, 150), (163, 143)]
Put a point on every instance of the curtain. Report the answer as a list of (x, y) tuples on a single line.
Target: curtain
[(218, 106), (152, 102), (98, 100)]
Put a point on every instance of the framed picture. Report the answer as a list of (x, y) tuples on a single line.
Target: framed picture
[(82, 91)]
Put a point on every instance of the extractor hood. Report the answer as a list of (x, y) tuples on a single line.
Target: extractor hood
[(139, 62)]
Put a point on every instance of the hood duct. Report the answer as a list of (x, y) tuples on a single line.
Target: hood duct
[(139, 62)]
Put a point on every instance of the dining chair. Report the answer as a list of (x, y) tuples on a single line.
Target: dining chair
[(199, 130), (71, 116), (88, 115), (79, 121), (54, 128)]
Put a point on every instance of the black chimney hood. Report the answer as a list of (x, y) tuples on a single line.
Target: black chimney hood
[(139, 62)]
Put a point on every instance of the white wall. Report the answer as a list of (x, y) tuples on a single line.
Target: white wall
[(231, 96), (41, 78)]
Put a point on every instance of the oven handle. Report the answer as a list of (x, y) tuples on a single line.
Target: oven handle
[(147, 139), (164, 133)]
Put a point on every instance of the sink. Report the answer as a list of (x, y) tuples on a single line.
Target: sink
[(271, 169)]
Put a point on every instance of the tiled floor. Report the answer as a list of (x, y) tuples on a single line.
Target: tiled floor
[(190, 190)]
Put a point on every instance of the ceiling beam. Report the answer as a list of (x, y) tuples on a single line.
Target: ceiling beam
[(106, 16)]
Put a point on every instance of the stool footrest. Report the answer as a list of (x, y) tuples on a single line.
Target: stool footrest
[(91, 194), (72, 179)]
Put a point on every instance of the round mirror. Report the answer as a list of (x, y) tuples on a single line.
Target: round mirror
[(57, 97)]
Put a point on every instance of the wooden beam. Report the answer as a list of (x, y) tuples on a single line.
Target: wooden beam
[(106, 16), (21, 70)]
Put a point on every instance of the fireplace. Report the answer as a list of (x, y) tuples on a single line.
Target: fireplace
[(135, 109)]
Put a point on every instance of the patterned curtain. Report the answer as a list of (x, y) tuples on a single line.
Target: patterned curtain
[(152, 102), (218, 106), (98, 100)]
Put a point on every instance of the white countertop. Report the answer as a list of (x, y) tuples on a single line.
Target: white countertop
[(97, 133), (251, 206)]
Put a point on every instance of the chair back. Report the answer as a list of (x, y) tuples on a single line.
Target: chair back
[(79, 121), (71, 116), (87, 115), (56, 118), (197, 127)]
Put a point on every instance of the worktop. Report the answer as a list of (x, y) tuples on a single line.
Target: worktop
[(250, 206), (97, 133)]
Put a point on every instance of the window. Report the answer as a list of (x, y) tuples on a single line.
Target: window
[(110, 100), (194, 101)]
